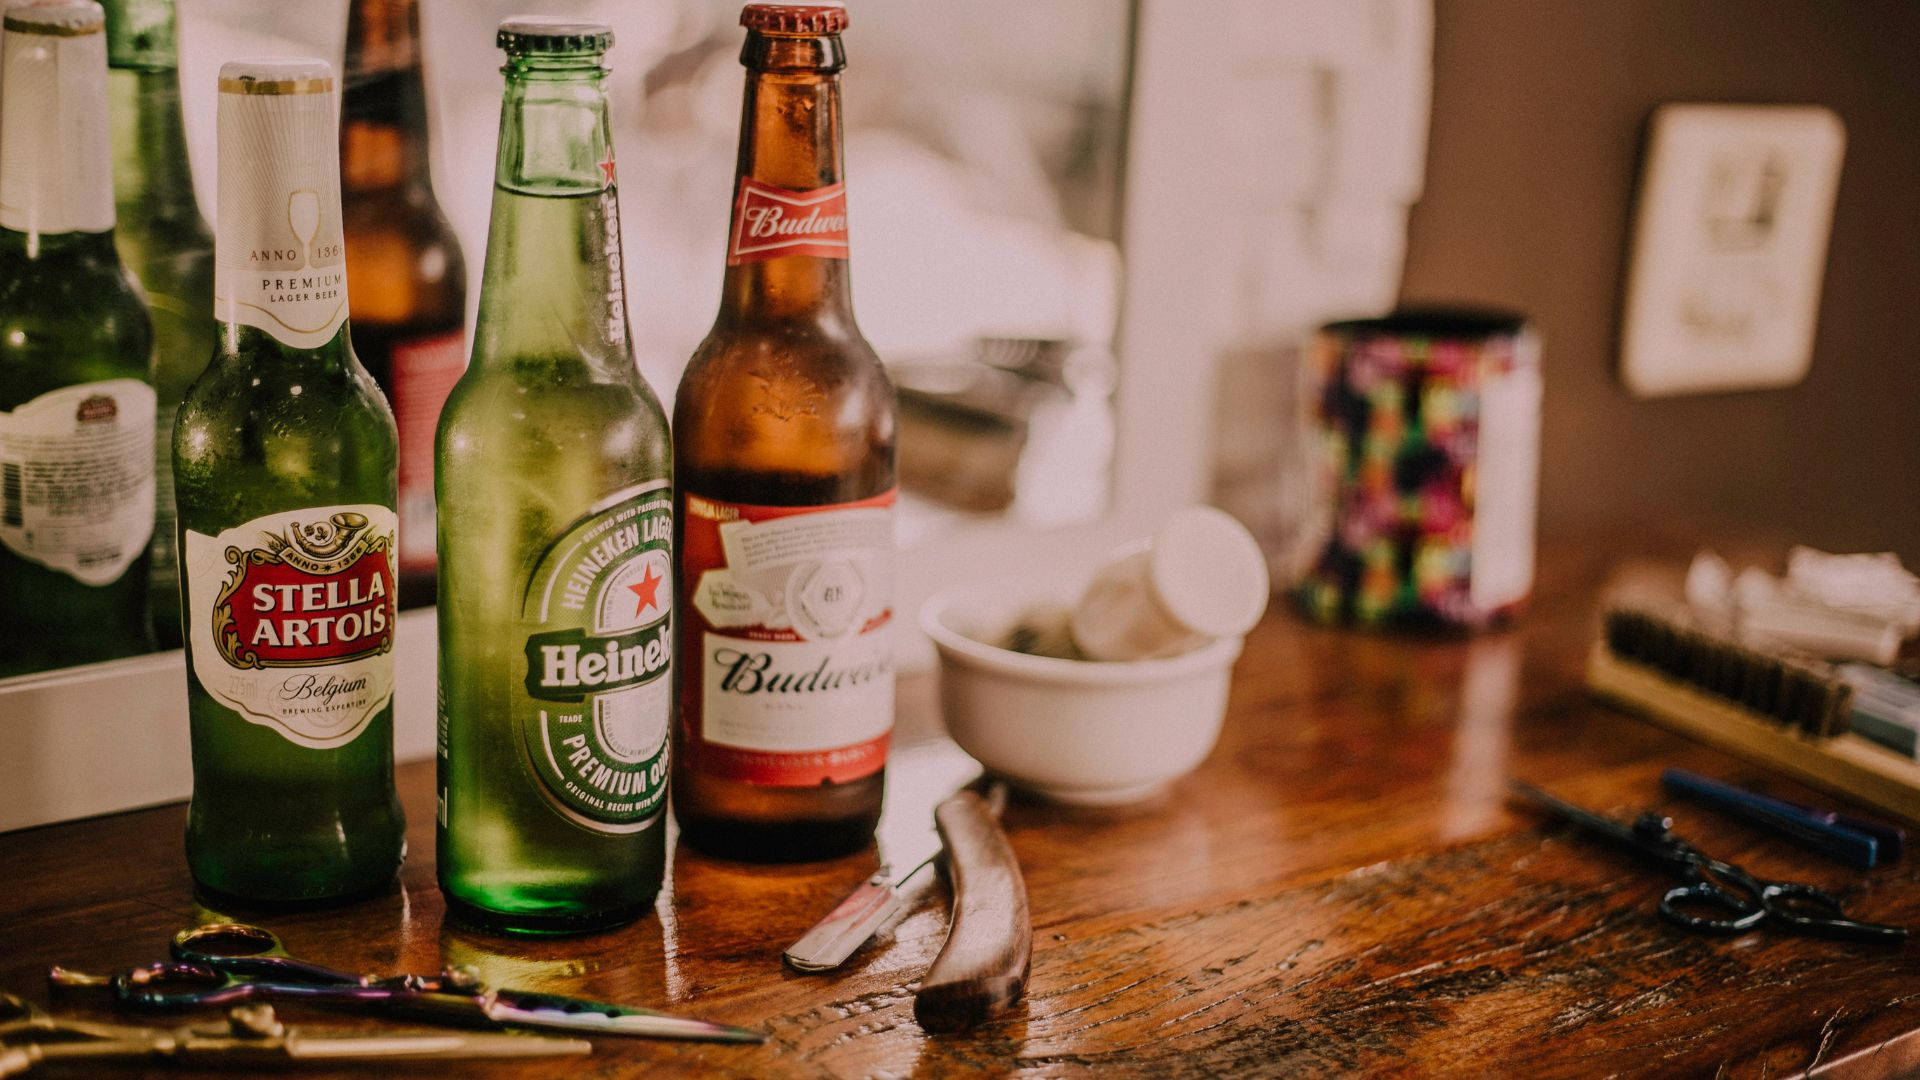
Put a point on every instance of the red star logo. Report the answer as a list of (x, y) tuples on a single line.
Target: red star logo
[(607, 167), (648, 591)]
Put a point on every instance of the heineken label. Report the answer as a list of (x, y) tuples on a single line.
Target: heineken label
[(279, 254), (290, 619), (598, 622), (55, 171), (769, 222), (76, 479), (791, 626)]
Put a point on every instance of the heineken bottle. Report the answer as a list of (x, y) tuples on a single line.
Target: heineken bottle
[(165, 244), (284, 474), (554, 485), (76, 396)]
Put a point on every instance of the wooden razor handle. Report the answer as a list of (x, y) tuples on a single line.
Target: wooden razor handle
[(982, 969)]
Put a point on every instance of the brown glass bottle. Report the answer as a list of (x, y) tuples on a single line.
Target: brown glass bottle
[(410, 284), (783, 435)]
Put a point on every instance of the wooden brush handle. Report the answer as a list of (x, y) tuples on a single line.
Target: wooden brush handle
[(982, 969)]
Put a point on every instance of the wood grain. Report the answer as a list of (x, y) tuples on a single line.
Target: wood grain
[(1342, 888)]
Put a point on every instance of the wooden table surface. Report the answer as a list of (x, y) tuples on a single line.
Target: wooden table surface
[(1342, 887)]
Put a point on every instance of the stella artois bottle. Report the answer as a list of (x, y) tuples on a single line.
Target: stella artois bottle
[(409, 280), (555, 530), (784, 438), (76, 393), (284, 456), (164, 242)]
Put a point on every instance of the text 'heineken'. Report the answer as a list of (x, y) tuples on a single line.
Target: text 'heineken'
[(284, 470), (165, 244), (76, 393), (784, 439), (556, 531)]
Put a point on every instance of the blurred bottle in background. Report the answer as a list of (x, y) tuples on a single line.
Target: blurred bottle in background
[(409, 281), (164, 242), (76, 351)]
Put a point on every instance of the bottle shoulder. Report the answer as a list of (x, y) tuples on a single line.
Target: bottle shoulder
[(69, 320)]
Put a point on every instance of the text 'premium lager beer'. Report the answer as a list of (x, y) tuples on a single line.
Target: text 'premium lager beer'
[(284, 457), (164, 242), (409, 281), (784, 443), (556, 525), (76, 401)]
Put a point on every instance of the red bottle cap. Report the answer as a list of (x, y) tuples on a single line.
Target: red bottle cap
[(794, 18)]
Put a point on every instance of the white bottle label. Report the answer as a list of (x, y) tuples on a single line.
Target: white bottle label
[(290, 619), (76, 478), (279, 259), (55, 172), (791, 617)]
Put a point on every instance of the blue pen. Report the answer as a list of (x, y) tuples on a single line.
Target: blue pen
[(1819, 831)]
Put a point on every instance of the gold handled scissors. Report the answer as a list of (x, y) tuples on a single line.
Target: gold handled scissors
[(230, 964), (252, 1034)]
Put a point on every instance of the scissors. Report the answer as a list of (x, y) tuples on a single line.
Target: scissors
[(230, 964), (252, 1034), (1737, 901)]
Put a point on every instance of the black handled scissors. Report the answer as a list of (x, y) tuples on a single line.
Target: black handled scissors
[(1736, 900), (227, 964)]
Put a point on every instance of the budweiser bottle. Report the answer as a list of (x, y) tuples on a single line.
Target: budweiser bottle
[(409, 280), (784, 441), (76, 397), (283, 458), (164, 242), (555, 526)]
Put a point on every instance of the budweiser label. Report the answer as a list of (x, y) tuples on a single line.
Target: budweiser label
[(792, 620), (769, 222), (424, 371), (76, 479), (291, 619), (279, 258), (55, 172), (598, 620)]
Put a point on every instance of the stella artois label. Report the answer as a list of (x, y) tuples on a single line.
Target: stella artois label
[(598, 618), (769, 222), (291, 619), (791, 627), (279, 255), (55, 174), (76, 479)]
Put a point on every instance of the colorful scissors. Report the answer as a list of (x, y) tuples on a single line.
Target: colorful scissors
[(1738, 900), (227, 964)]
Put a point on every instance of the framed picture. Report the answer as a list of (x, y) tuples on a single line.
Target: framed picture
[(1729, 246)]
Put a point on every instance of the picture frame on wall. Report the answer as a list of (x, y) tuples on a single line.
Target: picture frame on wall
[(1729, 247)]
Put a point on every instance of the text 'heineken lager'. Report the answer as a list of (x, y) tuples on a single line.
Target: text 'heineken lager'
[(284, 459), (76, 397), (783, 432), (165, 244), (555, 535)]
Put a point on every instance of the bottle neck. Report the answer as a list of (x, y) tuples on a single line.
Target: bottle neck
[(383, 109), (56, 169), (786, 256), (553, 288), (152, 179)]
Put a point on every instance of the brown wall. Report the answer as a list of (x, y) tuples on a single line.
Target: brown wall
[(1539, 112)]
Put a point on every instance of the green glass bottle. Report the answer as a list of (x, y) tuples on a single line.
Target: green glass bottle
[(164, 242), (554, 483), (76, 347), (284, 459)]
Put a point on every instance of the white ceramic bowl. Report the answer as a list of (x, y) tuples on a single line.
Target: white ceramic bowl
[(1079, 731)]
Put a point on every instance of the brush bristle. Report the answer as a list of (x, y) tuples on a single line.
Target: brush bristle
[(1801, 695)]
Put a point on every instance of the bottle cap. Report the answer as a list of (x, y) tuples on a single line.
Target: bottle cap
[(1208, 573), (527, 34), (276, 75), (795, 18), (61, 18)]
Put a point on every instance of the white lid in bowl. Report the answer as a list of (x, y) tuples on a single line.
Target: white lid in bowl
[(1208, 572)]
